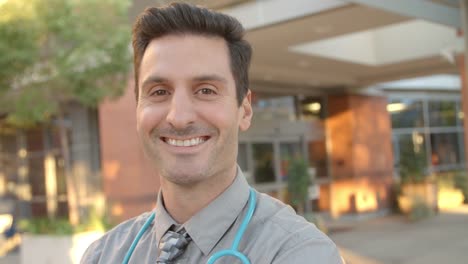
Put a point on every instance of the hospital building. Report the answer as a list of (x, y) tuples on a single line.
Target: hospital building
[(353, 86)]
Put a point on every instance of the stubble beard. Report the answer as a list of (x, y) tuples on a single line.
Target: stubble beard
[(174, 169)]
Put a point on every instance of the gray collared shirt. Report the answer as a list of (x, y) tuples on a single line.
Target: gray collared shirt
[(276, 234)]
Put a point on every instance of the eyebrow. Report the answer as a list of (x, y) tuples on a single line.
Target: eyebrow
[(153, 79), (210, 77), (201, 78)]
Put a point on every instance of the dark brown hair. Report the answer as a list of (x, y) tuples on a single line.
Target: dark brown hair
[(183, 18)]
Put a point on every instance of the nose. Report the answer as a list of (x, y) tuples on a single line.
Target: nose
[(181, 112)]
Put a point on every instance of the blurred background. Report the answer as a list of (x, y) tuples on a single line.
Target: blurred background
[(359, 123)]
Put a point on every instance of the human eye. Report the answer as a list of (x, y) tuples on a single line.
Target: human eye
[(159, 93), (206, 91)]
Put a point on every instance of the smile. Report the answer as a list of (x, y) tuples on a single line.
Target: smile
[(185, 142)]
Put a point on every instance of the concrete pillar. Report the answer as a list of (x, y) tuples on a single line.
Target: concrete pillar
[(464, 73), (464, 102)]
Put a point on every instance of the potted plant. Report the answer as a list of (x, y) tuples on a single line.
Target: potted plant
[(452, 189)]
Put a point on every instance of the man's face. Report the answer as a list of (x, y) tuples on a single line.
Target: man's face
[(187, 115)]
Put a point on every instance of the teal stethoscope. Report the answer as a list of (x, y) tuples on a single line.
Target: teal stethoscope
[(223, 253)]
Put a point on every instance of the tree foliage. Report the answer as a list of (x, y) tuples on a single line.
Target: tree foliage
[(18, 41), (57, 51)]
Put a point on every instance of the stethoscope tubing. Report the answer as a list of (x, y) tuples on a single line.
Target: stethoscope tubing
[(233, 251), (138, 237), (240, 233)]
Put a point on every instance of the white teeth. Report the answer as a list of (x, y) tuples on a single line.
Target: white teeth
[(185, 143)]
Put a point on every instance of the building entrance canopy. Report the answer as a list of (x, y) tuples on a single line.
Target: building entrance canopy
[(343, 44)]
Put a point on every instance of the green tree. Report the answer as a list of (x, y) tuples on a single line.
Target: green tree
[(54, 52), (18, 41)]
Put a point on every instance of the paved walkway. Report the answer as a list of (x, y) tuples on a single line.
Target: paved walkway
[(394, 240), (12, 258)]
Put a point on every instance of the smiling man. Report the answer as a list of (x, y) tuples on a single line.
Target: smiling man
[(191, 85)]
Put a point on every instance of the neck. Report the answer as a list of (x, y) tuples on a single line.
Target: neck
[(183, 202)]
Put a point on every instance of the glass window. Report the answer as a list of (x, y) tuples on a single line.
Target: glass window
[(445, 149), (460, 114), (442, 113), (287, 152), (275, 108), (263, 162), (8, 163), (396, 151), (37, 183), (461, 146), (406, 113)]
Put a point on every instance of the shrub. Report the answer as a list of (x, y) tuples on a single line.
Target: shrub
[(62, 226), (461, 183), (419, 209), (46, 226)]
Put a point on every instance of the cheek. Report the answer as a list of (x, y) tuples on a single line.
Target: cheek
[(148, 118), (224, 118)]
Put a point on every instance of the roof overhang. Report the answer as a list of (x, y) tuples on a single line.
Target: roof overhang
[(330, 45)]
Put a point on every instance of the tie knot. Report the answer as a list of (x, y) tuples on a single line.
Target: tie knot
[(172, 245)]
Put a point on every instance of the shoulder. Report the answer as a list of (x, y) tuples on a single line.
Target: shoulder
[(283, 219), (118, 237), (294, 239)]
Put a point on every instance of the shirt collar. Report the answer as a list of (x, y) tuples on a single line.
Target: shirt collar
[(209, 225), (163, 220)]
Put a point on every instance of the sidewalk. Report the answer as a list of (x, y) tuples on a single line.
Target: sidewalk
[(12, 258), (394, 240)]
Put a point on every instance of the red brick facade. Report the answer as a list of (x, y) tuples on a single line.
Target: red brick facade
[(361, 159), (130, 184)]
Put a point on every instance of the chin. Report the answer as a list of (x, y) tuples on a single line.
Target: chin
[(184, 176)]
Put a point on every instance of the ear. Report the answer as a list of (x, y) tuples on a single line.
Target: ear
[(246, 112)]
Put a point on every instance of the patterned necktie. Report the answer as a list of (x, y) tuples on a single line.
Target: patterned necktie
[(172, 245)]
